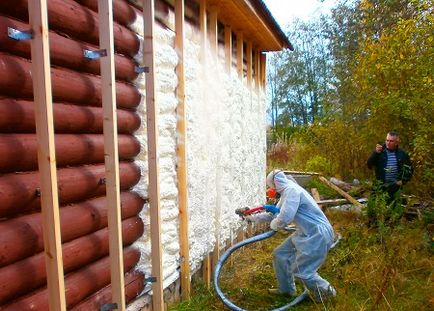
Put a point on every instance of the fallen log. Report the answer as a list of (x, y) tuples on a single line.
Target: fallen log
[(26, 275), (78, 285), (134, 284), (19, 152), (67, 85), (20, 193), (76, 21), (18, 116), (64, 52), (22, 237)]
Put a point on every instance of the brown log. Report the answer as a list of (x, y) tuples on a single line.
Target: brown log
[(64, 52), (19, 152), (20, 192), (18, 116), (21, 237), (76, 21), (26, 275), (123, 12), (67, 85), (134, 284), (78, 285)]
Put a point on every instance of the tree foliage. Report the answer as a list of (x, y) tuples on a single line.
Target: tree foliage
[(373, 71)]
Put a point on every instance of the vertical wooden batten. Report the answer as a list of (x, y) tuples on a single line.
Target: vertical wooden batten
[(46, 154), (111, 154), (153, 165), (203, 29), (240, 55), (213, 31), (228, 48), (181, 151), (257, 65), (263, 70), (249, 50), (206, 264)]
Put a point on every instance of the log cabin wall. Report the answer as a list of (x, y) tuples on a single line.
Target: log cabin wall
[(78, 121), (225, 153)]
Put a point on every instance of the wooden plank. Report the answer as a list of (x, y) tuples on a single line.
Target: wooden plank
[(181, 152), (257, 66), (153, 166), (332, 202), (240, 53), (249, 51), (206, 270), (263, 71), (228, 48), (46, 154), (341, 192), (317, 197), (301, 173), (111, 153)]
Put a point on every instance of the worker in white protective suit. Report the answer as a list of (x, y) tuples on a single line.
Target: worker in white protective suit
[(302, 254)]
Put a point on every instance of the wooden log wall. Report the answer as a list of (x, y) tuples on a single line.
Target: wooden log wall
[(78, 125)]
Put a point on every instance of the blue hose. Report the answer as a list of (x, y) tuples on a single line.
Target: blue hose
[(226, 255)]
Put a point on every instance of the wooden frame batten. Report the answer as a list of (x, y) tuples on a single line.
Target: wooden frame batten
[(40, 52), (153, 165), (181, 151), (111, 153)]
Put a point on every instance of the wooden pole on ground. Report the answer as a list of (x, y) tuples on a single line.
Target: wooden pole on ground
[(46, 154), (181, 152), (317, 197), (111, 155), (153, 167), (341, 192)]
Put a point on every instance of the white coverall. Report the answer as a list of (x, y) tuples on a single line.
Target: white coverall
[(302, 254)]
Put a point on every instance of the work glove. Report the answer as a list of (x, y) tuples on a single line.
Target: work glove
[(273, 209), (277, 225)]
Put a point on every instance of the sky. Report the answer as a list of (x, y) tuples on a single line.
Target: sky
[(284, 11)]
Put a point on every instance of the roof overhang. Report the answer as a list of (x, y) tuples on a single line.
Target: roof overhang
[(254, 20)]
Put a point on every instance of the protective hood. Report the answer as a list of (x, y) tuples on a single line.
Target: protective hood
[(276, 179)]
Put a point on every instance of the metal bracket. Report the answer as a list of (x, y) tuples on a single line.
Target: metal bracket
[(151, 279), (19, 35), (108, 307), (94, 54), (141, 69)]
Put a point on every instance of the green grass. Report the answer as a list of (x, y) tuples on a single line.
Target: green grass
[(372, 269)]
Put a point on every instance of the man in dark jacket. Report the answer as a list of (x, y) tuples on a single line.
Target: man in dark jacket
[(392, 165)]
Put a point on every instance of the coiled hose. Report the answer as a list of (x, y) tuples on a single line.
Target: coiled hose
[(226, 255)]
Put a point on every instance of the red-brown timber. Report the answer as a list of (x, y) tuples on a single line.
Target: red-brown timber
[(67, 85), (123, 12), (18, 116), (134, 284), (64, 52), (21, 237), (26, 275), (19, 193), (78, 285), (76, 21), (18, 152)]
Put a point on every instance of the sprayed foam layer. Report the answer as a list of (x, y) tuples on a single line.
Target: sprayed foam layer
[(225, 146)]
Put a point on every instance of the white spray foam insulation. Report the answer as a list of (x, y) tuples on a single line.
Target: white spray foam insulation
[(226, 148)]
